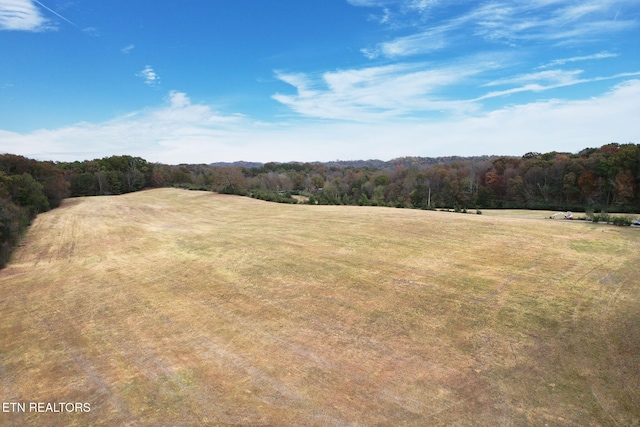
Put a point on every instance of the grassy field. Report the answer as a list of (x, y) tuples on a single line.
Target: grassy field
[(171, 307)]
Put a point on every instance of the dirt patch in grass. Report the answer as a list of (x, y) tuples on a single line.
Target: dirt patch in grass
[(172, 307)]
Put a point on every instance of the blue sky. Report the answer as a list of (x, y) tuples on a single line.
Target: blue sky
[(302, 80)]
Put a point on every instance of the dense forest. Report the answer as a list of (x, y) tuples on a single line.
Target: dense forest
[(596, 179)]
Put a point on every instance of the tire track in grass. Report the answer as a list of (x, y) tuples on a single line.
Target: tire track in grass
[(309, 359), (140, 279), (91, 373)]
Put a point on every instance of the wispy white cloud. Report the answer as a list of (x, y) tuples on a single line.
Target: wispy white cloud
[(367, 3), (150, 76), (547, 20), (415, 44), (551, 77), (539, 82), (397, 14), (370, 94), (551, 21), (91, 31), (127, 49), (508, 22), (407, 89), (421, 5), (181, 131), (22, 15), (601, 55)]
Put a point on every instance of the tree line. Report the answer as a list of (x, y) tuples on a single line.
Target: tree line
[(598, 179)]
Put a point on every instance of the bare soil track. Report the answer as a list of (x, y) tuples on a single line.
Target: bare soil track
[(170, 307)]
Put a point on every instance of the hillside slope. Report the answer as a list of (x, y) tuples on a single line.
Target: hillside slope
[(170, 307)]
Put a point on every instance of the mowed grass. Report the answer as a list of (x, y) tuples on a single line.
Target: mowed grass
[(170, 307)]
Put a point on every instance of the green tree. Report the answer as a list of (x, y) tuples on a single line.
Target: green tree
[(83, 184), (13, 220), (381, 180), (29, 193), (378, 196)]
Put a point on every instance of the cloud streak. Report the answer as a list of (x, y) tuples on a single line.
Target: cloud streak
[(539, 82), (506, 22), (55, 13), (373, 93), (601, 55)]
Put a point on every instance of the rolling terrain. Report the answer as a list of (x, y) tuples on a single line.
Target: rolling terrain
[(172, 307)]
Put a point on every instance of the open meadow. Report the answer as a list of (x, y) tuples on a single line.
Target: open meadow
[(174, 307)]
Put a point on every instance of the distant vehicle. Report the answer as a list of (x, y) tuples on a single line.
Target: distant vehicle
[(565, 215), (637, 223)]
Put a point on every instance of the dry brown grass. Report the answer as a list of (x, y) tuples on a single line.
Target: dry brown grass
[(170, 307)]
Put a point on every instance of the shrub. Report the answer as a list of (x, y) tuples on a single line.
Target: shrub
[(272, 196), (622, 221), (601, 217), (231, 189)]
